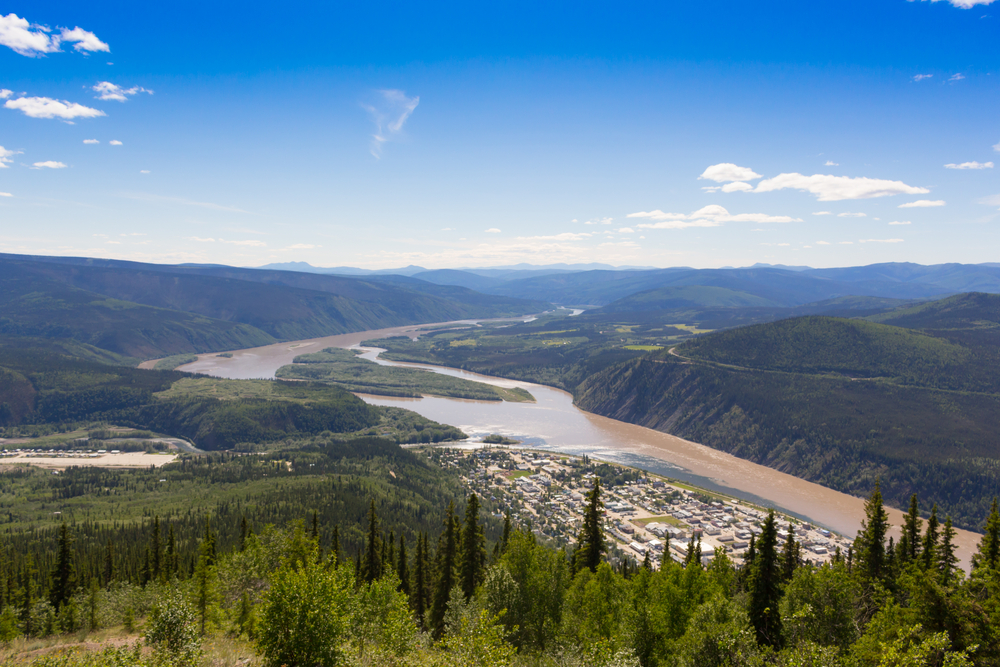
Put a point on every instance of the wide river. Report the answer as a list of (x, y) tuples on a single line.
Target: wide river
[(554, 423)]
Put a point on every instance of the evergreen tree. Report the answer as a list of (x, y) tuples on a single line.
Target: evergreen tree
[(909, 543), (590, 542), (64, 574), (987, 558), (27, 597), (371, 566), (789, 555), (244, 532), (505, 539), (947, 560), (390, 553), (446, 558), (172, 557), (403, 568), (315, 527), (765, 586), (870, 542), (204, 583), (335, 545), (156, 551), (931, 537), (665, 557), (109, 562), (647, 564), (418, 595), (209, 541), (473, 563)]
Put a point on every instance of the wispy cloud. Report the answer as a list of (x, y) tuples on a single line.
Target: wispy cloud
[(565, 236), (492, 230), (599, 221), (956, 77), (921, 77), (727, 171), (964, 4), (880, 241), (46, 107), (838, 188), (48, 164), (923, 203), (139, 196), (91, 141), (389, 115), (109, 91), (708, 216), (5, 157), (302, 246), (115, 142), (626, 230), (970, 165), (831, 163), (852, 215), (34, 40), (6, 194), (900, 222), (996, 147), (823, 213)]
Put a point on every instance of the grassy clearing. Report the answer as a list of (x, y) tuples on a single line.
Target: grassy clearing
[(172, 362), (644, 348)]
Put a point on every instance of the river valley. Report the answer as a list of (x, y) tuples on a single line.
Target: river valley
[(553, 423)]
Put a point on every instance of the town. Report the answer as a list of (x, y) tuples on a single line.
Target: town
[(546, 493)]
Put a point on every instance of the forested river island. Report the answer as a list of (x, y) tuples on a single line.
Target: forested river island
[(553, 423)]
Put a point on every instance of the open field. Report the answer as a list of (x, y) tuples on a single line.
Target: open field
[(108, 460)]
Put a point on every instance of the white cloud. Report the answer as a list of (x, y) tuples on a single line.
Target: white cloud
[(492, 230), (115, 142), (254, 243), (91, 141), (727, 171), (49, 164), (84, 40), (880, 241), (34, 40), (900, 222), (852, 215), (446, 229), (5, 156), (708, 216), (996, 147), (6, 194), (389, 115), (565, 236), (141, 196), (970, 165), (823, 213), (598, 221), (822, 243), (845, 242), (991, 201), (302, 246), (837, 188), (830, 163), (956, 77), (738, 186), (199, 239), (110, 91), (46, 107), (921, 77), (922, 203), (4, 93), (144, 171), (626, 230)]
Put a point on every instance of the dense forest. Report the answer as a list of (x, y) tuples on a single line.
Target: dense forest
[(383, 585)]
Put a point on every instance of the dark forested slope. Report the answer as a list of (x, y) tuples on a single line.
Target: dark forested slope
[(841, 402)]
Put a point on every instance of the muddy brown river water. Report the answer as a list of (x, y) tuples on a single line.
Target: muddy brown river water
[(554, 423)]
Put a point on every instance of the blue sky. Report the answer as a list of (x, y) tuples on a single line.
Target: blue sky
[(446, 135)]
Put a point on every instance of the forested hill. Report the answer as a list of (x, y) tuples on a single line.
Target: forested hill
[(840, 402), (142, 310)]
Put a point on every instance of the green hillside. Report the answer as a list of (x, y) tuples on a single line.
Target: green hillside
[(840, 402), (686, 297)]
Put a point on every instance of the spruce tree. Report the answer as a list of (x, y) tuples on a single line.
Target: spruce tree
[(335, 545), (371, 566), (389, 562), (909, 543), (869, 546), (590, 542), (947, 561), (155, 551), (789, 555), (64, 574), (765, 586), (931, 537), (244, 533), (418, 596), (172, 557), (446, 557), (403, 568), (473, 561), (204, 583), (987, 558), (109, 562), (505, 539), (665, 557)]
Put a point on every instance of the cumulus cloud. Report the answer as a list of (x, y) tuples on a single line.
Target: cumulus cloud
[(492, 230), (852, 215), (46, 107), (626, 230), (91, 141), (837, 188), (4, 93), (599, 221), (830, 163), (115, 142), (921, 77), (389, 115), (727, 171), (6, 194), (970, 165), (33, 40), (880, 241), (922, 203), (900, 222), (708, 216), (738, 186), (5, 157), (110, 91), (49, 164)]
